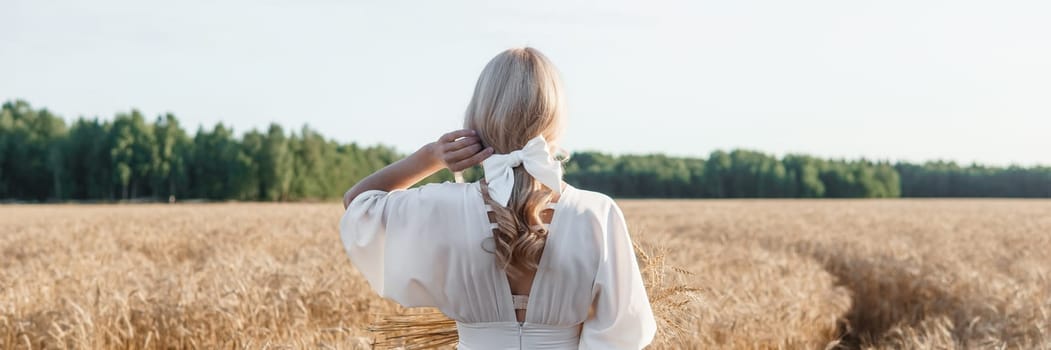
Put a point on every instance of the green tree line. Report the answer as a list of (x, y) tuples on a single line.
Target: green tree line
[(132, 157), (41, 158)]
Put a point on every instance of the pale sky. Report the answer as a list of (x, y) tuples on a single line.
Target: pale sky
[(899, 80)]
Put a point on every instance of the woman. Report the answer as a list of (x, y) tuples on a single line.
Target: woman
[(520, 259)]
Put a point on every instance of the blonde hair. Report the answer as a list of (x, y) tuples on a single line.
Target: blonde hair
[(518, 96)]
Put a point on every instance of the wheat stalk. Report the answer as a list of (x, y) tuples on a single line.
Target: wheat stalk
[(830, 274)]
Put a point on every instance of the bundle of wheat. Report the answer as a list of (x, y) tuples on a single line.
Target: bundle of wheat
[(428, 328)]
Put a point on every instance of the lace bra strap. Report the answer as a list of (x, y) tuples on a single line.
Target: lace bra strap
[(520, 301)]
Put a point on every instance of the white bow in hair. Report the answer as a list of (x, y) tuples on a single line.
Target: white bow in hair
[(537, 162)]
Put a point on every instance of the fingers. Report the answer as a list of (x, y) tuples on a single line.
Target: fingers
[(462, 149), (453, 135), (453, 158), (465, 152), (472, 160), (461, 143)]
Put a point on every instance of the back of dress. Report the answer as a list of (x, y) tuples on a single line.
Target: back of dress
[(432, 246)]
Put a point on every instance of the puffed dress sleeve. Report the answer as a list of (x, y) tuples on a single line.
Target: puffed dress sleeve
[(390, 239), (623, 318)]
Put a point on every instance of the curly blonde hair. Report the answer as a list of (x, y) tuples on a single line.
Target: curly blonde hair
[(518, 96)]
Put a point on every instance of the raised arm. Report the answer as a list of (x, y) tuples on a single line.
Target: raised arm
[(385, 222), (456, 150)]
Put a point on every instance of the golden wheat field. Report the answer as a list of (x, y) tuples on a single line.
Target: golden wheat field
[(792, 274)]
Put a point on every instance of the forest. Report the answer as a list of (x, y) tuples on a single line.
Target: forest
[(131, 157)]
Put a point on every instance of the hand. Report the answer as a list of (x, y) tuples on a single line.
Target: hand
[(460, 149), (457, 150)]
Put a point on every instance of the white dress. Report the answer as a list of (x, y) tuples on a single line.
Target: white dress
[(431, 246)]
